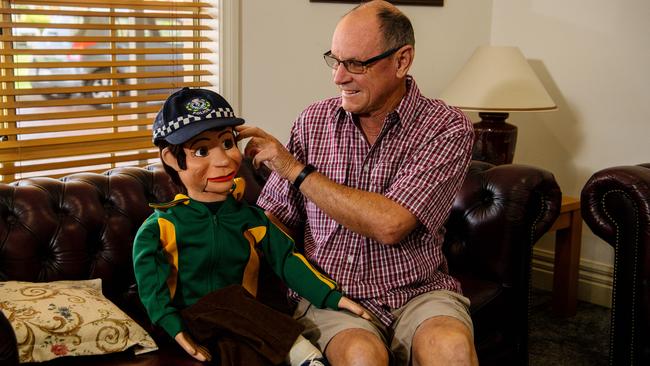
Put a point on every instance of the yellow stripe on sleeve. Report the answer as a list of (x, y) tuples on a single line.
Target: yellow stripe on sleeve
[(169, 247), (252, 269), (331, 284)]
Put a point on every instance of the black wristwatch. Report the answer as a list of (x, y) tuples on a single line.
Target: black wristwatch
[(308, 169)]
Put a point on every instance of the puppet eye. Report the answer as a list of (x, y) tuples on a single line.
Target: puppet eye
[(228, 143), (201, 152)]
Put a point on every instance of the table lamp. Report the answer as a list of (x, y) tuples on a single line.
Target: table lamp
[(495, 81)]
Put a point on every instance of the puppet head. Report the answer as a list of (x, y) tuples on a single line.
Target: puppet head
[(198, 148)]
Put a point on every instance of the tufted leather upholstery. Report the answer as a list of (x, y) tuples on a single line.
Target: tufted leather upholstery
[(82, 226), (616, 206), (499, 214)]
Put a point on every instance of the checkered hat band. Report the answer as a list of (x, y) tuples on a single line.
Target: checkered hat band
[(171, 126)]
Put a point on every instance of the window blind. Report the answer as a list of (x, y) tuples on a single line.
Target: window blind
[(82, 80)]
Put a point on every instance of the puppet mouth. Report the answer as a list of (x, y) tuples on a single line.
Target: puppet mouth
[(224, 178)]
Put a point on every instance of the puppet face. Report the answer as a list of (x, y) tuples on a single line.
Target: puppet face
[(213, 160)]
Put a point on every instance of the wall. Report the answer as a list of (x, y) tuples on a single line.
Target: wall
[(593, 57), (283, 70)]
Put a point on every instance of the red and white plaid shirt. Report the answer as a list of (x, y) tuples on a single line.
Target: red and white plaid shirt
[(419, 161)]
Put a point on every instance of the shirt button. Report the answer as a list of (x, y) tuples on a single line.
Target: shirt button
[(366, 168), (350, 258)]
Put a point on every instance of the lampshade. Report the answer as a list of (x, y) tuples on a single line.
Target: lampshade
[(497, 79), (494, 82)]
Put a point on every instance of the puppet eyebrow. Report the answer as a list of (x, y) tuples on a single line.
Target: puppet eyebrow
[(224, 132), (207, 139), (198, 140)]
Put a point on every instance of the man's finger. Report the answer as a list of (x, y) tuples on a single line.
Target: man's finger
[(249, 131)]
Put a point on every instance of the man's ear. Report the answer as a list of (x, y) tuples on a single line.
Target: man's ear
[(404, 60), (169, 159)]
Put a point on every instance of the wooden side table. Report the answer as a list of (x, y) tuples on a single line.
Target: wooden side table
[(568, 240)]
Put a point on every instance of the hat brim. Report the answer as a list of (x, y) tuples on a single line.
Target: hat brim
[(184, 134)]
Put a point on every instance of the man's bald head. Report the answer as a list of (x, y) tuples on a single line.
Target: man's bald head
[(394, 27)]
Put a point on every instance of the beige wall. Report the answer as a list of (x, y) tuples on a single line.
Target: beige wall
[(593, 56), (282, 42)]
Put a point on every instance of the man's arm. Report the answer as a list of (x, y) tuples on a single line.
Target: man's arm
[(369, 214)]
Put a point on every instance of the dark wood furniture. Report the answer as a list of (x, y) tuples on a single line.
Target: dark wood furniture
[(568, 241)]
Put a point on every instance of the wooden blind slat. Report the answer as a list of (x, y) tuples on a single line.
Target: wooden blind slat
[(103, 26), (88, 89), (78, 114), (82, 101), (105, 51), (122, 3), (135, 122), (71, 140), (102, 76), (173, 62), (81, 162), (104, 39), (82, 148), (115, 14)]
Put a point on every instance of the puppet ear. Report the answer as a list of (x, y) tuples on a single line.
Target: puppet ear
[(169, 159)]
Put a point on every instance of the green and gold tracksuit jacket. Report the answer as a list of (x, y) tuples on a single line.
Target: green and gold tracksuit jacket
[(183, 251)]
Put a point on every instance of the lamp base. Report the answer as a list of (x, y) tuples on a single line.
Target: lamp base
[(494, 139)]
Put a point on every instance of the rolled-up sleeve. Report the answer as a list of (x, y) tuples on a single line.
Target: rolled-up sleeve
[(427, 183)]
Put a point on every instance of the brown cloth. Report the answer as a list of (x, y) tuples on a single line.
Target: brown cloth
[(240, 330)]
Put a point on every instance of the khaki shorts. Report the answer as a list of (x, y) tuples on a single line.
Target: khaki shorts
[(321, 325)]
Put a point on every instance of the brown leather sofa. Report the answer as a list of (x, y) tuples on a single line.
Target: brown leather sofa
[(496, 218), (616, 206)]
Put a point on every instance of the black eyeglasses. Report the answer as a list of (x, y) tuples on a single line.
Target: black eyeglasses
[(354, 66)]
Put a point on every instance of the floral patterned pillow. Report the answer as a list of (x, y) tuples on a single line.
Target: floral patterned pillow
[(68, 318)]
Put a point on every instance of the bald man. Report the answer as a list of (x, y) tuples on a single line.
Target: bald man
[(371, 174)]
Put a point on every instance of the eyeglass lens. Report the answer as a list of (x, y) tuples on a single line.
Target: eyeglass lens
[(353, 66)]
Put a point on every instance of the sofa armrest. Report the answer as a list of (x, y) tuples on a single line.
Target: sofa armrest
[(500, 212), (615, 204), (615, 198), (497, 216)]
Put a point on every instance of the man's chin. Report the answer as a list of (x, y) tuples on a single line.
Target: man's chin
[(351, 107)]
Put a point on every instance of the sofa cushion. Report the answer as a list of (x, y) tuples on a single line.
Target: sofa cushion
[(68, 318)]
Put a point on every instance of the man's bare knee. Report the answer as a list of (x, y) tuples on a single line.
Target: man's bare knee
[(443, 341), (356, 347)]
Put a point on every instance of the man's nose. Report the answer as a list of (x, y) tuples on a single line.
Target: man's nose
[(341, 75)]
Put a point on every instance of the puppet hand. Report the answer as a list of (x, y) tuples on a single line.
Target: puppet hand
[(195, 350), (353, 307)]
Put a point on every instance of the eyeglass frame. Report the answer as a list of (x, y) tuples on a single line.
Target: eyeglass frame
[(363, 64)]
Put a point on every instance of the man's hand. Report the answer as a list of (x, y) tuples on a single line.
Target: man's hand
[(347, 304), (195, 350), (266, 149)]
